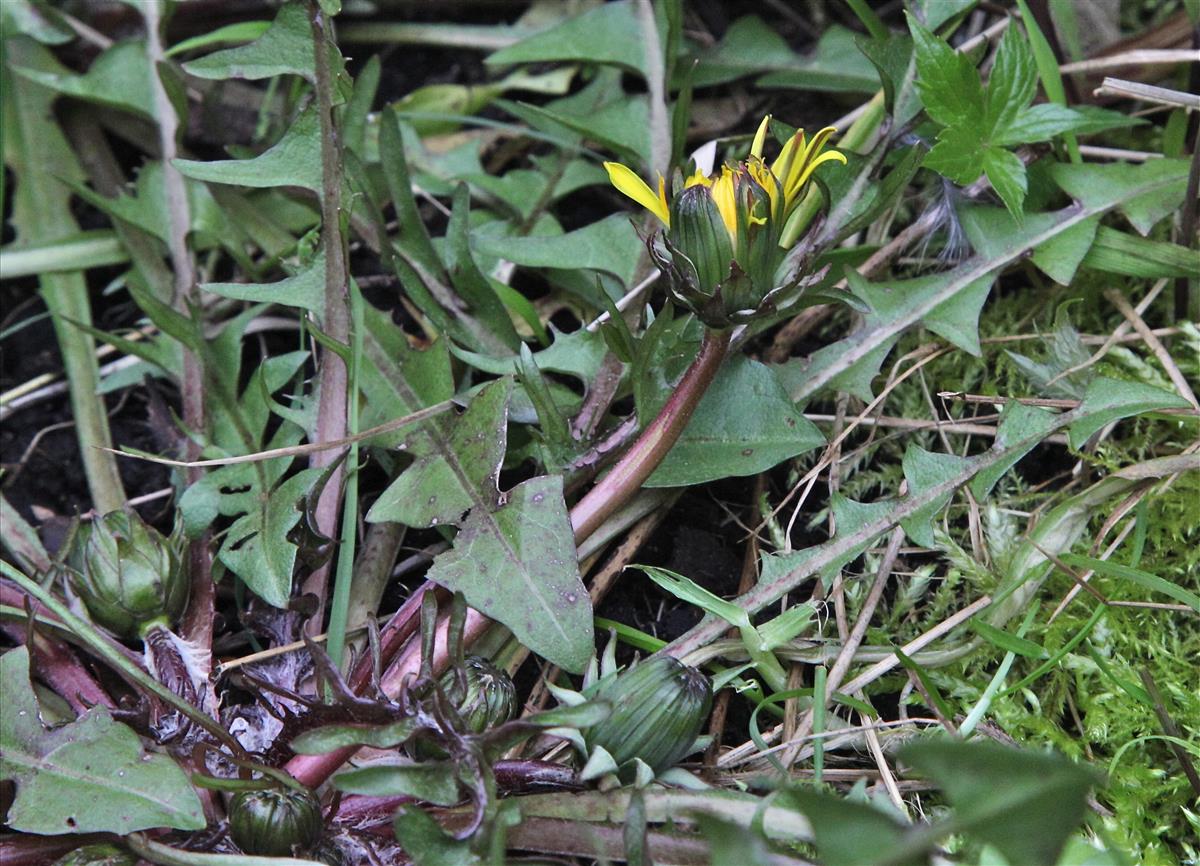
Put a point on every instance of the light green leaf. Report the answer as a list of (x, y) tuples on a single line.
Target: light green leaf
[(609, 34), (745, 423), (294, 160), (257, 546), (1108, 400), (242, 31), (1144, 579), (1018, 423), (330, 738), (91, 775), (1096, 185), (1007, 641), (118, 78), (611, 245), (305, 289), (450, 477), (1061, 256), (925, 470), (956, 319), (286, 47), (835, 65), (517, 565)]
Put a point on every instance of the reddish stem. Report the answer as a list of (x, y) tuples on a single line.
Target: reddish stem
[(612, 492), (643, 457)]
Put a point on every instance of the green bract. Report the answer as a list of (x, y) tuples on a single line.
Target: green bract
[(658, 708), (488, 699), (129, 576), (274, 822)]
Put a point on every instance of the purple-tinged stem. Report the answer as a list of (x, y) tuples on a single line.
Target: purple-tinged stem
[(626, 478)]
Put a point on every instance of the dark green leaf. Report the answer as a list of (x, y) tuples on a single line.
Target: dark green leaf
[(1025, 803), (434, 783), (744, 424), (330, 738), (947, 80), (1144, 579), (1006, 173), (849, 833), (517, 565), (924, 470), (450, 476), (91, 775)]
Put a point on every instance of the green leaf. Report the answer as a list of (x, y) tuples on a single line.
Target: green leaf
[(610, 245), (242, 31), (834, 66), (451, 476), (1006, 173), (432, 782), (257, 546), (294, 160), (745, 423), (1094, 185), (1018, 423), (330, 738), (285, 48), (305, 289), (1011, 85), (1108, 400), (924, 470), (118, 78), (689, 591), (1117, 252), (88, 776), (427, 844), (956, 318), (849, 833), (1025, 803), (486, 317), (1144, 579), (620, 124), (517, 565), (947, 80), (608, 34), (1007, 641), (1061, 256)]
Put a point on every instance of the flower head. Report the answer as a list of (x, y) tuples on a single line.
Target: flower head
[(723, 238)]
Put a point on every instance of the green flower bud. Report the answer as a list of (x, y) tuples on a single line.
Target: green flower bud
[(700, 244), (658, 707), (129, 576), (101, 854), (489, 697), (273, 822)]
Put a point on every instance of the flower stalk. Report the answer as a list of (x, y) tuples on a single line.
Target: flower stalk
[(643, 457)]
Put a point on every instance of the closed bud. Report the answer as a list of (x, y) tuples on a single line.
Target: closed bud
[(484, 698), (700, 245), (101, 854), (128, 575), (658, 708), (274, 822)]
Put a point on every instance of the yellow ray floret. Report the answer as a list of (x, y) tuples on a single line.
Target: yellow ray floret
[(627, 182)]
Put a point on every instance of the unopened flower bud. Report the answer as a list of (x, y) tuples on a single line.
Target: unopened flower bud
[(274, 822), (128, 575), (658, 708), (488, 699)]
